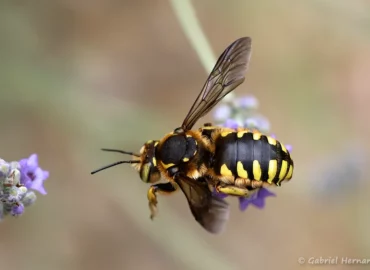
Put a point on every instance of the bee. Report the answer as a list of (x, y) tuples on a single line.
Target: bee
[(235, 162)]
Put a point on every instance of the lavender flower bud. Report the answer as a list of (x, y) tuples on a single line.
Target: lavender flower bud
[(222, 113), (251, 123), (231, 123), (248, 102), (29, 198), (258, 122), (4, 168), (22, 190), (13, 178), (13, 195), (14, 165), (17, 210)]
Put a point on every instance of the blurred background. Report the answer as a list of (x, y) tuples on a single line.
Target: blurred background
[(76, 76)]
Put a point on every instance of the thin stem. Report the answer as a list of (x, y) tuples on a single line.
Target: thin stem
[(188, 20)]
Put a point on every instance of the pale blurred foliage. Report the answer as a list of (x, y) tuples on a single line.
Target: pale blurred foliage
[(80, 75)]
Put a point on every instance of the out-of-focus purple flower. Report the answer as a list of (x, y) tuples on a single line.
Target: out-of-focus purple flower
[(257, 199), (222, 113), (248, 102), (257, 121), (240, 112), (231, 123), (289, 147), (32, 176)]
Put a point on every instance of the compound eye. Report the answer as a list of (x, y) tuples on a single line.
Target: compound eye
[(149, 173), (145, 172)]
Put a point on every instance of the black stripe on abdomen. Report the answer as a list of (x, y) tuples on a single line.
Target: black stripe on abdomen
[(279, 158), (254, 152), (246, 155), (226, 155), (265, 157)]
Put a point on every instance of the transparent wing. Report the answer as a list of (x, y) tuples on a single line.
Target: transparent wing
[(227, 74), (210, 212)]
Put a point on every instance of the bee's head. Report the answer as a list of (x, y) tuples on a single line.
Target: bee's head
[(147, 167), (144, 162)]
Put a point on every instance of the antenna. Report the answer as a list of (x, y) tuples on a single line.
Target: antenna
[(114, 164)]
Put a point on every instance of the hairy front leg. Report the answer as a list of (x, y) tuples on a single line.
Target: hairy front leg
[(163, 188)]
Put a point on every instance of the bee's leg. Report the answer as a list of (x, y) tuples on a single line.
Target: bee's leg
[(266, 184), (163, 188), (207, 125), (232, 190), (248, 184), (254, 184)]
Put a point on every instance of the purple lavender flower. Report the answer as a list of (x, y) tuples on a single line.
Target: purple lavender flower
[(242, 112), (218, 194), (32, 176), (257, 199), (17, 210), (15, 180)]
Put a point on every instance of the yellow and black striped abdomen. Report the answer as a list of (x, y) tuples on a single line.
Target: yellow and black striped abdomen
[(251, 155)]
